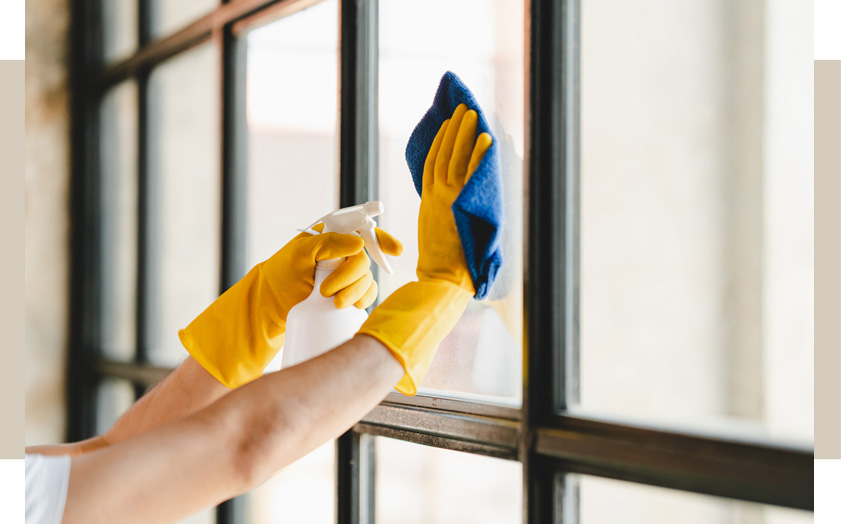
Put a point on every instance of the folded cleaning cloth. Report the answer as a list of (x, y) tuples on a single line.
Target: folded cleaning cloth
[(478, 208)]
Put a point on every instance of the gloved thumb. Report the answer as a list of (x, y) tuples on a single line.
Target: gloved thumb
[(335, 245)]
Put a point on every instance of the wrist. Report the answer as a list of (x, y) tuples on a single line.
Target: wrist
[(413, 321)]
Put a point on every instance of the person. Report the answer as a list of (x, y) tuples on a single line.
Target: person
[(215, 428)]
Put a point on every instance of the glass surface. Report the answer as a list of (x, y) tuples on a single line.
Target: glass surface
[(118, 273), (292, 179), (423, 485), (608, 501), (119, 29), (168, 16), (184, 197), (114, 397), (291, 111), (482, 358), (696, 216), (305, 491), (205, 516)]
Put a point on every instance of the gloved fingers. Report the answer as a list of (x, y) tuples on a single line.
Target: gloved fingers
[(369, 297), (353, 292), (429, 165), (457, 171), (334, 245), (442, 162), (346, 274), (483, 143), (389, 243)]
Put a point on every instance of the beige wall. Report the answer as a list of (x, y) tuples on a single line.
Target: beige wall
[(47, 218)]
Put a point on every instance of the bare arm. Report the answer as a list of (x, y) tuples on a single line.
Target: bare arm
[(183, 392), (233, 444)]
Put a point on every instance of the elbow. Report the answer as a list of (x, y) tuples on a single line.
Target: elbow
[(256, 445)]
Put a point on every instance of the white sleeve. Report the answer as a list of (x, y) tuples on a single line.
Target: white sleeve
[(46, 488)]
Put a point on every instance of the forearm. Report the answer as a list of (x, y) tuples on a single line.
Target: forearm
[(186, 390), (301, 408), (235, 443), (72, 448)]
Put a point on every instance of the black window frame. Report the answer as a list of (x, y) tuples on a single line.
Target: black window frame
[(549, 440)]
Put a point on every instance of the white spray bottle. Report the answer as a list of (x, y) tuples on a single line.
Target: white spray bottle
[(316, 325)]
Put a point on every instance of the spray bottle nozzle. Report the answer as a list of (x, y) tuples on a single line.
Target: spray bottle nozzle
[(373, 208), (354, 219)]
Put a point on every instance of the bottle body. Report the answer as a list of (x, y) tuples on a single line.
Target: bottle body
[(316, 325)]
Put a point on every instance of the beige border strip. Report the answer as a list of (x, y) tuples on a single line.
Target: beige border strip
[(827, 259), (12, 351)]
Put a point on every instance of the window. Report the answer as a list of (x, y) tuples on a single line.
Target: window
[(482, 358), (648, 343)]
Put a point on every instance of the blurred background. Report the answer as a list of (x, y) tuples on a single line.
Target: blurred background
[(696, 235)]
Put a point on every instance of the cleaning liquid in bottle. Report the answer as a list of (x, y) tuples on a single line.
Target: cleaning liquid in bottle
[(316, 325)]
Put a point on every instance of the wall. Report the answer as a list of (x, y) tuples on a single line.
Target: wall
[(47, 218)]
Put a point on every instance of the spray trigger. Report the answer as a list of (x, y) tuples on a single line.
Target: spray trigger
[(369, 236), (357, 219)]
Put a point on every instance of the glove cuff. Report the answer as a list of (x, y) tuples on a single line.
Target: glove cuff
[(413, 321), (237, 336)]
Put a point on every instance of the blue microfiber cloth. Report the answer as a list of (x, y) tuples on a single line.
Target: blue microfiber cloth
[(478, 209)]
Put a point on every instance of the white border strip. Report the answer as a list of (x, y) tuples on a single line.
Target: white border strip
[(827, 487), (12, 30), (827, 34), (12, 491)]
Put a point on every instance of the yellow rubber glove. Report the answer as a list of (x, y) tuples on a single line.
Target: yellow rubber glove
[(414, 320), (237, 336)]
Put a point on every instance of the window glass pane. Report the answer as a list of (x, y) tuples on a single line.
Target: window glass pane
[(292, 179), (206, 516), (291, 109), (303, 492), (696, 217), (608, 501), (118, 273), (184, 197), (114, 397), (119, 29), (483, 355), (168, 16), (423, 485)]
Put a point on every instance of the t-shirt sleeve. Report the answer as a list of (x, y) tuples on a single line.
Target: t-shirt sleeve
[(47, 478)]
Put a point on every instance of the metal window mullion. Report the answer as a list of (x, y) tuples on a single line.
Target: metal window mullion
[(144, 264), (357, 101), (161, 48), (357, 183), (768, 472), (484, 435), (454, 405), (552, 280), (232, 179), (84, 301)]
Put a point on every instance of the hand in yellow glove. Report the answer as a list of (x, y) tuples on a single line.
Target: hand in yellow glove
[(237, 336), (416, 317)]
